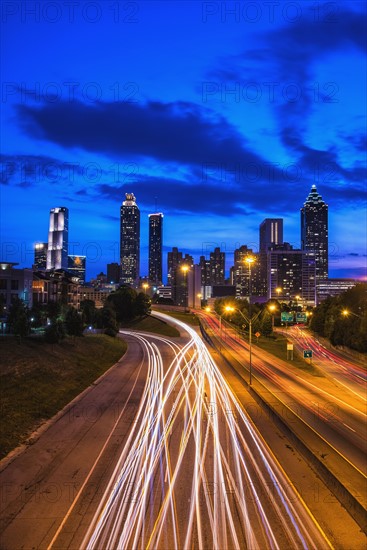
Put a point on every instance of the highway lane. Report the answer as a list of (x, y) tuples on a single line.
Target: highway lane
[(184, 479), (350, 374), (69, 460), (322, 403)]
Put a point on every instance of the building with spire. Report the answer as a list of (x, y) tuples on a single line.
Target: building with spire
[(314, 232), (155, 248), (58, 239), (129, 240)]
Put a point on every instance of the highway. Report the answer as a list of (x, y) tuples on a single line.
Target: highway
[(171, 461), (194, 473), (351, 374), (334, 411)]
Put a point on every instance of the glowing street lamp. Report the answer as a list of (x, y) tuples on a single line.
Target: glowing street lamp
[(272, 309), (346, 312), (249, 321), (145, 286)]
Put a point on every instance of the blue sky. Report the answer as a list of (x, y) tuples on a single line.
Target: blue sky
[(221, 113)]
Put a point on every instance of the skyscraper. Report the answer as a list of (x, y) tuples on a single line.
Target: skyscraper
[(129, 240), (77, 267), (40, 255), (271, 233), (58, 239), (155, 247), (314, 232)]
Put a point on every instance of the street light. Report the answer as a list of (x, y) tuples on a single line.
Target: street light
[(185, 269), (272, 308), (249, 321), (145, 286), (346, 312)]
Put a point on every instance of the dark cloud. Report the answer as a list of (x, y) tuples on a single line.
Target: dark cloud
[(179, 132)]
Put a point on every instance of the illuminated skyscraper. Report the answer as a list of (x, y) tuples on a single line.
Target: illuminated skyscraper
[(271, 233), (314, 232), (155, 247), (76, 266), (40, 256), (58, 239), (129, 240)]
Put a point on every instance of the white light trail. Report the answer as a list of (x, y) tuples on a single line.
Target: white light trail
[(194, 473)]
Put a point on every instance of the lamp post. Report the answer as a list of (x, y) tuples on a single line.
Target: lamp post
[(272, 308), (185, 269), (249, 321), (145, 286), (346, 312)]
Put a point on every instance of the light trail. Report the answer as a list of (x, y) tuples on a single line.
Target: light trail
[(336, 416), (194, 472)]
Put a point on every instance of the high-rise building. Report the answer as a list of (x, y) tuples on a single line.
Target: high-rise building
[(240, 274), (77, 266), (155, 248), (314, 232), (217, 264), (40, 256), (271, 233), (113, 273), (177, 278), (58, 239), (291, 273), (174, 258), (129, 240)]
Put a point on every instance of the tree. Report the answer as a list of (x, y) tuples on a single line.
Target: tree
[(106, 318), (88, 309), (123, 302), (142, 305), (55, 332), (74, 322), (18, 318), (53, 310), (266, 325)]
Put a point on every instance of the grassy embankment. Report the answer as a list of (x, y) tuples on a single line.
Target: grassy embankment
[(277, 346), (38, 379), (153, 324)]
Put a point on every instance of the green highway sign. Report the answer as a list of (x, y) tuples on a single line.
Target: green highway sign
[(301, 317), (286, 317), (307, 353)]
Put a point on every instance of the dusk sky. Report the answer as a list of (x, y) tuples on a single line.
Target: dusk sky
[(220, 114)]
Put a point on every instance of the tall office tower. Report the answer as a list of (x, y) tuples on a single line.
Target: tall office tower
[(291, 273), (271, 233), (241, 273), (177, 278), (217, 264), (58, 239), (129, 240), (77, 266), (155, 248), (40, 256), (113, 273), (174, 258), (314, 232)]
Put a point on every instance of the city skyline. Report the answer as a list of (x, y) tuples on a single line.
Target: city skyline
[(219, 131)]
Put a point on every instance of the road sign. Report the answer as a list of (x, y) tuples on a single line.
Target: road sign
[(289, 347), (307, 353), (257, 334), (301, 317), (286, 317)]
